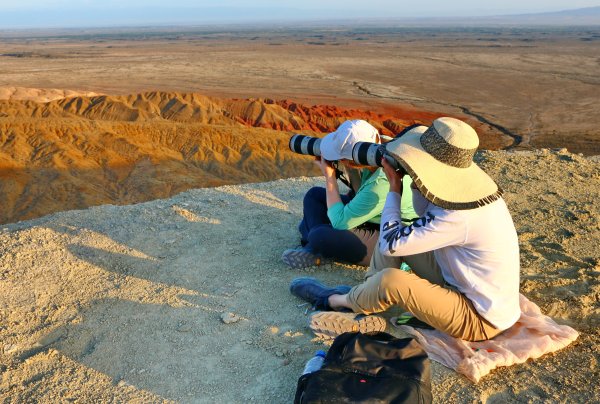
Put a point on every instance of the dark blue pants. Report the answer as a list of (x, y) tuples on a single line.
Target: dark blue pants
[(318, 235)]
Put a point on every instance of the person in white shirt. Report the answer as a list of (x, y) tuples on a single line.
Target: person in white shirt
[(463, 252)]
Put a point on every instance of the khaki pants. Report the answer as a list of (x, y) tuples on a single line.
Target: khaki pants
[(422, 292)]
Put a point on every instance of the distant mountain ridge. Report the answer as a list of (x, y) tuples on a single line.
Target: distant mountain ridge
[(577, 12), (579, 16), (570, 17), (162, 17)]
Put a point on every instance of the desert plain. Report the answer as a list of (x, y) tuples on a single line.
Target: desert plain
[(127, 303)]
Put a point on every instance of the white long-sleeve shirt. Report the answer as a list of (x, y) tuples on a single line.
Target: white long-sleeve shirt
[(476, 249)]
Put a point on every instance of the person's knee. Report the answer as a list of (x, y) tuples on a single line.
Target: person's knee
[(392, 279), (314, 194), (393, 276)]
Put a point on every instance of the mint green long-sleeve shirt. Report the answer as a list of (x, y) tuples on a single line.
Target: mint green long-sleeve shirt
[(367, 204), (407, 211)]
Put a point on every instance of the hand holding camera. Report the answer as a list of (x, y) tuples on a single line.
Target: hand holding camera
[(326, 167), (394, 176)]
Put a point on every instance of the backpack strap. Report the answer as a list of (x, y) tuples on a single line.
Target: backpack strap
[(301, 388)]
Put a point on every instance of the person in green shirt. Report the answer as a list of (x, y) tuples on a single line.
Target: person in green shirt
[(344, 227)]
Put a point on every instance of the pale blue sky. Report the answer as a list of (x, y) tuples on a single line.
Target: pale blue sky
[(79, 13)]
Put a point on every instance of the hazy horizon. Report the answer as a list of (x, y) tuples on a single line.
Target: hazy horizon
[(28, 14)]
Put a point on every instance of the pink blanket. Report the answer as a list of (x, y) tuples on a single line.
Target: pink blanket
[(534, 335)]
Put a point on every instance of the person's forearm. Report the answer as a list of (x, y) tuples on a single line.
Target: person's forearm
[(396, 185), (391, 209), (332, 191)]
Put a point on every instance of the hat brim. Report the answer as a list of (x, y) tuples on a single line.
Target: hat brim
[(441, 184)]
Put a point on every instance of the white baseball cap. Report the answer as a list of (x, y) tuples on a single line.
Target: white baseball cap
[(338, 145)]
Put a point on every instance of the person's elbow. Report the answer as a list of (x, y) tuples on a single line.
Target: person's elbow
[(389, 250), (340, 224), (384, 250)]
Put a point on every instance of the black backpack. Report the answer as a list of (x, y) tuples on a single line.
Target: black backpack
[(373, 368)]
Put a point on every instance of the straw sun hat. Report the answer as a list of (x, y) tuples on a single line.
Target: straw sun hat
[(439, 159)]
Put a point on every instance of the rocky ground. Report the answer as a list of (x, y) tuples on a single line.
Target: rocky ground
[(186, 299)]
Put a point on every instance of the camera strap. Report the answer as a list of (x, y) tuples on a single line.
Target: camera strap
[(339, 174)]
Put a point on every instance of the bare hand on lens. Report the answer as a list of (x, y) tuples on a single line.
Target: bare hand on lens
[(326, 167), (394, 177)]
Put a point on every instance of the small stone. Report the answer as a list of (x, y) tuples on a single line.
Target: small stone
[(184, 327), (279, 353), (10, 348), (229, 318), (286, 362), (52, 337), (227, 291)]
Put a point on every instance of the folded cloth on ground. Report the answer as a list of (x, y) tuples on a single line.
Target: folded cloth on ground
[(532, 336)]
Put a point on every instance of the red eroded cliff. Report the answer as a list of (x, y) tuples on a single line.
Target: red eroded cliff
[(76, 152)]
